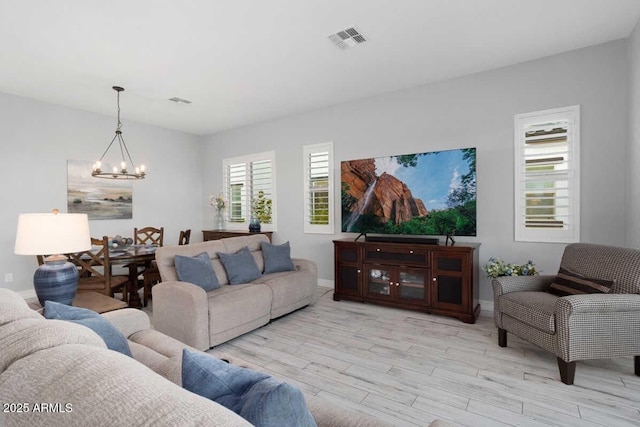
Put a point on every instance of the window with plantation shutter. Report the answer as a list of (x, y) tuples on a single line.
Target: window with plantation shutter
[(249, 183), (547, 176), (318, 188)]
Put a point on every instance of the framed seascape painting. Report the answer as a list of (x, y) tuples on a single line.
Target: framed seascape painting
[(431, 193), (98, 198)]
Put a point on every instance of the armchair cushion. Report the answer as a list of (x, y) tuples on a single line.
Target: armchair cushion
[(568, 282), (536, 309)]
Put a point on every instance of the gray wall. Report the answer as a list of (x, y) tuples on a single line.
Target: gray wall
[(37, 140), (633, 169), (475, 110)]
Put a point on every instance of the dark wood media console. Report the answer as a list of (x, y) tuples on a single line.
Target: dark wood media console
[(432, 278)]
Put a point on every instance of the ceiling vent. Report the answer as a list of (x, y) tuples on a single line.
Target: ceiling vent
[(348, 38), (179, 100)]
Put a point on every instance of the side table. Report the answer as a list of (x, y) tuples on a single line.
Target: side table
[(100, 303), (221, 234), (97, 302)]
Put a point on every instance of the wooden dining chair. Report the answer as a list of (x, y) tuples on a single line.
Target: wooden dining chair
[(94, 269), (185, 236), (150, 274), (148, 236)]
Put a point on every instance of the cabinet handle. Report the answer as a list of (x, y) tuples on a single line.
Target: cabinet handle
[(377, 249), (397, 284), (434, 279), (410, 252), (358, 271)]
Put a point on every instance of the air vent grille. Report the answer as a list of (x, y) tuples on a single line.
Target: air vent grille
[(179, 100), (348, 38)]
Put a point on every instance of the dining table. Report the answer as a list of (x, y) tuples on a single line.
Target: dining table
[(133, 257)]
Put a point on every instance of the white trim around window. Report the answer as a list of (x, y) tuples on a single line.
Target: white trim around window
[(318, 188), (246, 179), (547, 175)]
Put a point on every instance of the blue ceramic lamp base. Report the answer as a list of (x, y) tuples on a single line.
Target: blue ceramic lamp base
[(56, 280)]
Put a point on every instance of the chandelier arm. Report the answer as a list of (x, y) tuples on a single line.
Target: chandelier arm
[(109, 146), (122, 144), (126, 149)]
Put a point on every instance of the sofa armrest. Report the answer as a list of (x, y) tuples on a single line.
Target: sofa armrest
[(598, 303), (507, 284), (181, 310), (305, 265), (597, 326), (128, 320)]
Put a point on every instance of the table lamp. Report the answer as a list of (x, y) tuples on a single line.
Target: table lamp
[(53, 233)]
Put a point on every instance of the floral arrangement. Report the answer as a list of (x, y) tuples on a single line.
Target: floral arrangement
[(217, 202), (497, 267)]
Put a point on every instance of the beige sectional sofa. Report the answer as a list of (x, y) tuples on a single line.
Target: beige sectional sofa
[(68, 368), (202, 319), (58, 362), (57, 373)]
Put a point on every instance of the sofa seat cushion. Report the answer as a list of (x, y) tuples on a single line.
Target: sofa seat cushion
[(291, 290), (536, 309), (159, 352), (235, 305)]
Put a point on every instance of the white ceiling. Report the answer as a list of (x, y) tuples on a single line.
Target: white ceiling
[(245, 61)]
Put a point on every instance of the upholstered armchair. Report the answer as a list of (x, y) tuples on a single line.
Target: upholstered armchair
[(576, 327)]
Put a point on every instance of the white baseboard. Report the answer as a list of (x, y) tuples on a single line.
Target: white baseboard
[(325, 283), (486, 305)]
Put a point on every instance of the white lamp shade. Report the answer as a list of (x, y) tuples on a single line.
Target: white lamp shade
[(52, 233)]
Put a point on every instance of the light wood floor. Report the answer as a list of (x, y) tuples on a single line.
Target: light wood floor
[(409, 368)]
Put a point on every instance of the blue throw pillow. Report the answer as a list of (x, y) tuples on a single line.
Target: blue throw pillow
[(277, 258), (240, 267), (113, 338), (255, 396), (197, 270)]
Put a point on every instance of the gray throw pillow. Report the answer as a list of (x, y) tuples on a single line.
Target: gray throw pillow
[(197, 270), (240, 267), (112, 337), (255, 396), (277, 258)]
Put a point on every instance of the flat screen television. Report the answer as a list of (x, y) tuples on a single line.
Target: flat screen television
[(423, 194)]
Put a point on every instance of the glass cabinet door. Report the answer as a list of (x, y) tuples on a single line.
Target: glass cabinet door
[(378, 282), (412, 286)]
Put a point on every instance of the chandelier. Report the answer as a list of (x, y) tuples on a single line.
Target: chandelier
[(122, 172)]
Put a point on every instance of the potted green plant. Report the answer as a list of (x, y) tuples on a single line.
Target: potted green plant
[(260, 211)]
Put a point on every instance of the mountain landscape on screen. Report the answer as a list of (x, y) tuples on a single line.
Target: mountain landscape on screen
[(430, 193)]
